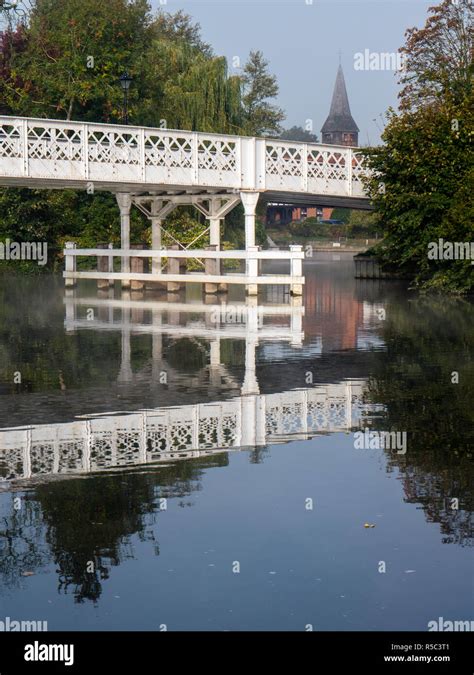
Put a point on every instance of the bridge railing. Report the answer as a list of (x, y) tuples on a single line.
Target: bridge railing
[(108, 153), (100, 443)]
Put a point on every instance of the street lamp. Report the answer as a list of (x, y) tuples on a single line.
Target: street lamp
[(11, 6), (125, 82)]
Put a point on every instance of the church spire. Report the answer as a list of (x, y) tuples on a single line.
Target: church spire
[(340, 128)]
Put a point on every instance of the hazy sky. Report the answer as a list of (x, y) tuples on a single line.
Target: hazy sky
[(302, 42)]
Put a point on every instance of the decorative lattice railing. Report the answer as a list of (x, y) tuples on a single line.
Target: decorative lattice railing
[(102, 443), (52, 150)]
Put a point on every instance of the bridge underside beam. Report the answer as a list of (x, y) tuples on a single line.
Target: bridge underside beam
[(291, 199), (280, 197)]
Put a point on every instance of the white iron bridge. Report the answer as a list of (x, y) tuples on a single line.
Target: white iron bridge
[(158, 169)]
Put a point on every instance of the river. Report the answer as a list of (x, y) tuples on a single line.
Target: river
[(167, 465)]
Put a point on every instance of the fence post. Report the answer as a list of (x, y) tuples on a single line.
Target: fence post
[(296, 268), (210, 267), (69, 263), (103, 265), (138, 265), (173, 268)]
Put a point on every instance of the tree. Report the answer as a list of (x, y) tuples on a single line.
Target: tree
[(361, 223), (261, 116), (75, 52), (341, 214), (421, 180), (196, 92), (64, 62), (439, 56), (12, 42), (178, 27), (298, 134)]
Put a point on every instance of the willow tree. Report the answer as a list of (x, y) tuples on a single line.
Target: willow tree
[(204, 98)]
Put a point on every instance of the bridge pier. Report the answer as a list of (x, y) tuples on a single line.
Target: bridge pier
[(124, 201), (134, 266), (249, 201)]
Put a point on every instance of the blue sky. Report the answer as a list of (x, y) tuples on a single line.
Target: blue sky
[(302, 42)]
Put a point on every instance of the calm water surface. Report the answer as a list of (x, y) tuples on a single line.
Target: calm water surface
[(167, 463)]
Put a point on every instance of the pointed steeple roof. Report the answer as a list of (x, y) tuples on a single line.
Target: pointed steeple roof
[(340, 118)]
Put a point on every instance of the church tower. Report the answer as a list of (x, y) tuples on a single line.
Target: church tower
[(340, 128)]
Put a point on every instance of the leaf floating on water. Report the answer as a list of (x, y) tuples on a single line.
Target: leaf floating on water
[(367, 525)]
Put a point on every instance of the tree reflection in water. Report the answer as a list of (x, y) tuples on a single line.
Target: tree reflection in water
[(76, 522), (427, 341)]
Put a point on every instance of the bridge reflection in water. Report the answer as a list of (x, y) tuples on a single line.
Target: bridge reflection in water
[(101, 442)]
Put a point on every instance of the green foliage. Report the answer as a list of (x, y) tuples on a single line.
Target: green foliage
[(298, 134), (184, 225), (312, 227), (261, 117), (341, 214), (234, 227), (422, 181), (425, 166), (193, 90), (54, 74), (65, 61), (362, 224)]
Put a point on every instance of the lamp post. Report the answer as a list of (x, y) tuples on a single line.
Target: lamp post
[(125, 82), (7, 6)]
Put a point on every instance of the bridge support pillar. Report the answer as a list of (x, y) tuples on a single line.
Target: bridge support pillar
[(156, 243), (125, 373), (252, 269), (249, 201), (250, 384), (215, 232), (124, 201), (174, 267), (215, 245)]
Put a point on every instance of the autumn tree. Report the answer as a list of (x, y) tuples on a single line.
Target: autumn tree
[(438, 57), (422, 180)]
